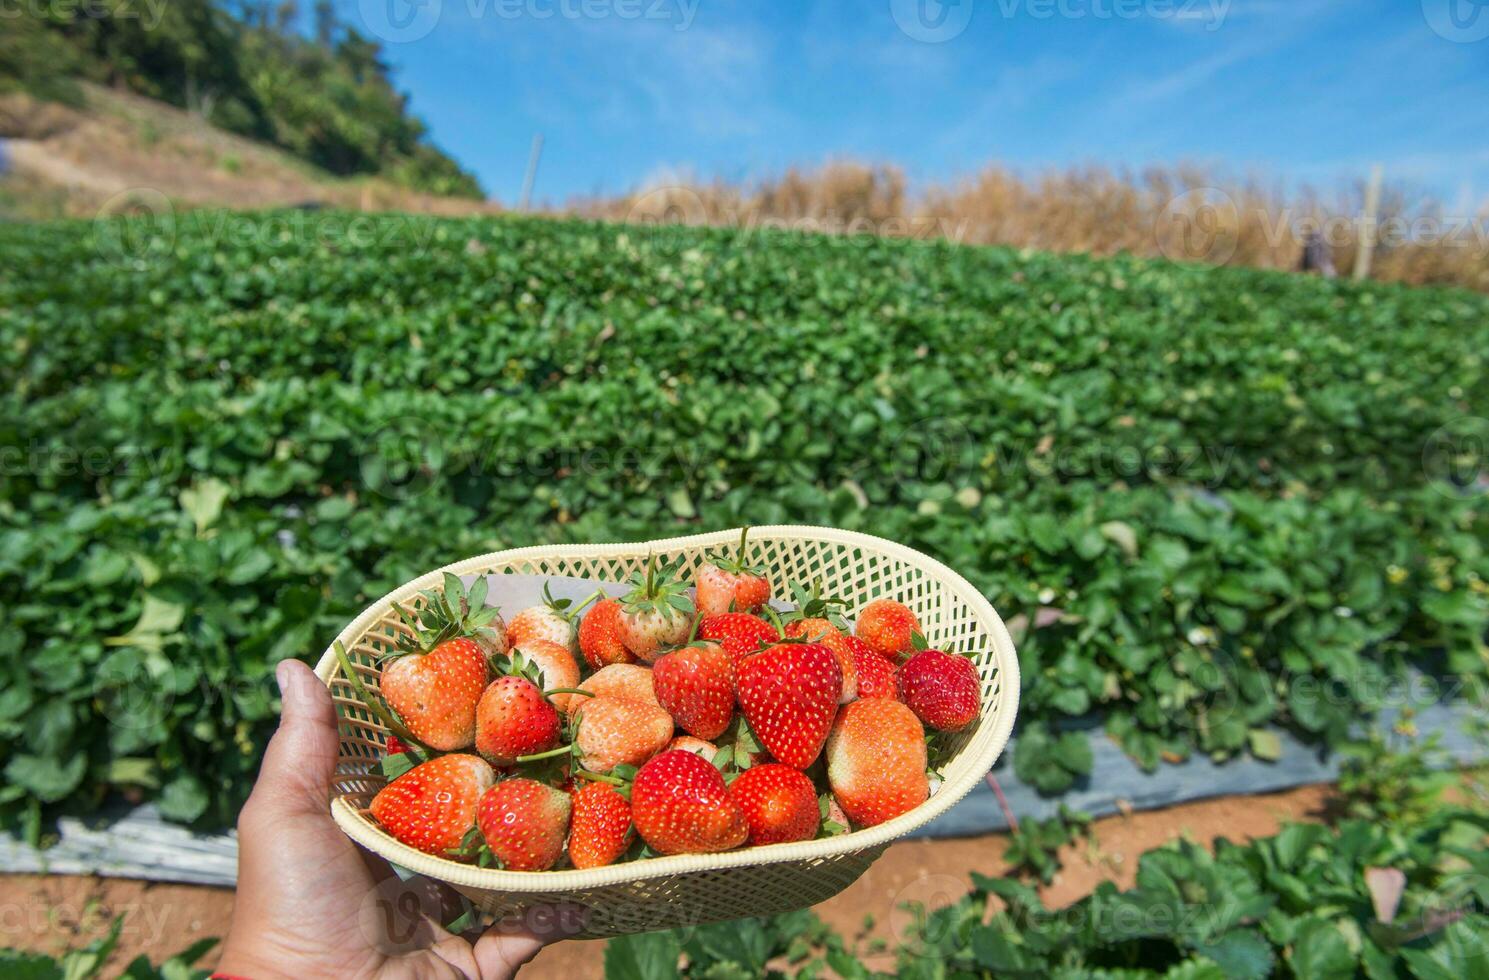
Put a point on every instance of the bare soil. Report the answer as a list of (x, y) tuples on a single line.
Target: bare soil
[(54, 913)]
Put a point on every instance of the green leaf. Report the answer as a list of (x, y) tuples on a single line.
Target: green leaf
[(155, 627), (1320, 952), (1241, 953), (643, 956), (203, 502), (184, 799), (1265, 744), (45, 777)]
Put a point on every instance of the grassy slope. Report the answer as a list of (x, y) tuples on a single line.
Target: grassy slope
[(71, 163)]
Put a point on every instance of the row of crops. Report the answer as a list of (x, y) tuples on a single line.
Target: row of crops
[(1216, 500)]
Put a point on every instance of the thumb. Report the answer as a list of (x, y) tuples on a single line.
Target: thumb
[(300, 761)]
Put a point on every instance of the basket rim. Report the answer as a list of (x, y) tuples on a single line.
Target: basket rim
[(951, 791)]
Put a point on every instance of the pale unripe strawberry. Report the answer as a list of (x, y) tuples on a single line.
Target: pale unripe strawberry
[(655, 614), (631, 681), (557, 667), (620, 731), (731, 584), (876, 759), (697, 746), (435, 693), (647, 634), (542, 623)]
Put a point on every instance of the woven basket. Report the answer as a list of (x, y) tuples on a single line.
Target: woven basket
[(691, 889)]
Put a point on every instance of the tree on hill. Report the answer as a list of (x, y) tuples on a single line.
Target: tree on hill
[(328, 99)]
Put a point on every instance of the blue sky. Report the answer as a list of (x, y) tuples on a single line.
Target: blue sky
[(627, 91)]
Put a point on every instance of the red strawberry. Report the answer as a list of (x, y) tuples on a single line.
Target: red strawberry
[(435, 693), (620, 731), (876, 761), (943, 689), (557, 667), (788, 694), (741, 634), (514, 719), (823, 632), (695, 684), (617, 680), (655, 614), (599, 635), (730, 585), (601, 826), (779, 803), (875, 671), (524, 823), (680, 805), (394, 747), (433, 805), (687, 743), (888, 627)]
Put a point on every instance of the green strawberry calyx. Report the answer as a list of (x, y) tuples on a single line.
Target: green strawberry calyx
[(812, 604), (737, 565), (447, 614), (658, 591)]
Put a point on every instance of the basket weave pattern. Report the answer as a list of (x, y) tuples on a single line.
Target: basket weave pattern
[(691, 889)]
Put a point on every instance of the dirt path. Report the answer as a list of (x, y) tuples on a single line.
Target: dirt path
[(53, 913)]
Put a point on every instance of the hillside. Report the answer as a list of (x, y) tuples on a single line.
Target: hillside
[(113, 148), (313, 86)]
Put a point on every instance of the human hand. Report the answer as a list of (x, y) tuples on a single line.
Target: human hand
[(311, 903)]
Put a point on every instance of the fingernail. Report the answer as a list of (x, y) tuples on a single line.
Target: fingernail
[(282, 678)]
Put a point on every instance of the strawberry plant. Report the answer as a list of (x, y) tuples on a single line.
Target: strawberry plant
[(1207, 500), (1393, 900)]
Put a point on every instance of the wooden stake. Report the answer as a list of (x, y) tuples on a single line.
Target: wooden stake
[(1369, 230)]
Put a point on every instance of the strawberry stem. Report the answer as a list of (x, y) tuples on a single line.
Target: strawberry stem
[(593, 597), (551, 753), (744, 532), (600, 777)]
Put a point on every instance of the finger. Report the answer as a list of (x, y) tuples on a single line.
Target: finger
[(300, 761), (499, 955), (511, 942)]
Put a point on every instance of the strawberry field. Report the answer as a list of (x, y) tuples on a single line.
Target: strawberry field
[(1210, 500)]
